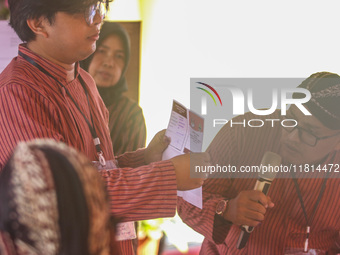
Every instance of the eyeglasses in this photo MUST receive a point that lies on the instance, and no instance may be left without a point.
(306, 137)
(91, 11)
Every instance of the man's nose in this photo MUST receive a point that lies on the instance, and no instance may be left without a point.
(97, 19)
(294, 135)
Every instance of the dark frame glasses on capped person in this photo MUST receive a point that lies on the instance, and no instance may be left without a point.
(92, 10)
(306, 137)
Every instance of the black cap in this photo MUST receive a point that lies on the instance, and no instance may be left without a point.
(325, 101)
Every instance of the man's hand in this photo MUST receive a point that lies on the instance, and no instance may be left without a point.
(248, 208)
(156, 147)
(182, 169)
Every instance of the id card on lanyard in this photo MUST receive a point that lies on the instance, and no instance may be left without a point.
(125, 230)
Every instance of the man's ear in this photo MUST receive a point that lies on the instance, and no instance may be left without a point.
(38, 26)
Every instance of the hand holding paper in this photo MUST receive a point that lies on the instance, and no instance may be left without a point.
(182, 165)
(156, 147)
(186, 132)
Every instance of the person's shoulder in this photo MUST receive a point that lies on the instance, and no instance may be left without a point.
(250, 125)
(10, 72)
(21, 80)
(249, 115)
(130, 104)
(130, 101)
(18, 69)
(18, 74)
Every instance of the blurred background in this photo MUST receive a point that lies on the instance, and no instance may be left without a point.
(173, 41)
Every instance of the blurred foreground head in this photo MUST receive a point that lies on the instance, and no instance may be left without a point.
(52, 202)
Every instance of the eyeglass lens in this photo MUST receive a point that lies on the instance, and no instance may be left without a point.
(304, 136)
(90, 13)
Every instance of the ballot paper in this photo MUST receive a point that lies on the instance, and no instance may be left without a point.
(9, 42)
(185, 130)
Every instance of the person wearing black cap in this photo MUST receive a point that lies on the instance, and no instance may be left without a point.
(108, 66)
(305, 218)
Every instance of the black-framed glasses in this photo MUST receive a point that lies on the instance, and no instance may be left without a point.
(91, 11)
(306, 137)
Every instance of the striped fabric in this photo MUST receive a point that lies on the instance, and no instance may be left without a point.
(32, 105)
(127, 125)
(284, 225)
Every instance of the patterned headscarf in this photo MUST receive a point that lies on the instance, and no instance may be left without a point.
(325, 101)
(42, 184)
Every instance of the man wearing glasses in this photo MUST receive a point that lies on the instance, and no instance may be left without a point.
(45, 94)
(301, 214)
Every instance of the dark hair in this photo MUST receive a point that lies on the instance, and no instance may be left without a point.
(22, 10)
(72, 207)
(5, 209)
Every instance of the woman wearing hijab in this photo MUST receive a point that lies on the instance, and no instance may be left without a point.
(108, 67)
(53, 202)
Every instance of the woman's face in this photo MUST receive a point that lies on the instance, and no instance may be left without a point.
(108, 62)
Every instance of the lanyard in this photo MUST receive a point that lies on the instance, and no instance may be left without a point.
(91, 126)
(309, 221)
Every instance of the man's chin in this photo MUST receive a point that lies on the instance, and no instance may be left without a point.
(88, 53)
(291, 157)
(296, 159)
